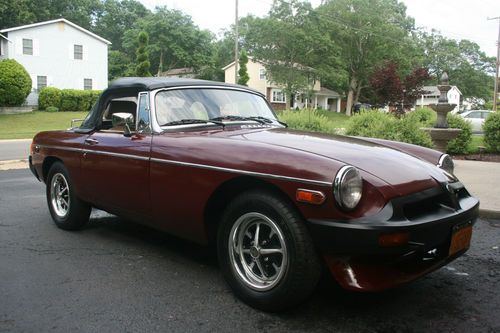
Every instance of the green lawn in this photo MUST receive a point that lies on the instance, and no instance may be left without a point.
(26, 125)
(477, 140)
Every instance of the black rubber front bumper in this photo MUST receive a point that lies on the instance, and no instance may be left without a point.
(428, 217)
(32, 168)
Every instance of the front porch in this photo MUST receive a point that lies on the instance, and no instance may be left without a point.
(324, 99)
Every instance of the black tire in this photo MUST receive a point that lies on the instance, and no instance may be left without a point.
(66, 209)
(288, 285)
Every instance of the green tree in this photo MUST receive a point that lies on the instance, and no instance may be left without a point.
(116, 17)
(15, 83)
(142, 59)
(467, 66)
(243, 71)
(287, 42)
(174, 39)
(20, 12)
(369, 32)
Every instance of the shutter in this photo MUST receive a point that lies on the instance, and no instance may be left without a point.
(84, 53)
(36, 47)
(19, 46)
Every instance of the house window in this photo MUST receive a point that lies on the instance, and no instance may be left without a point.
(87, 84)
(278, 96)
(78, 52)
(262, 73)
(28, 46)
(41, 82)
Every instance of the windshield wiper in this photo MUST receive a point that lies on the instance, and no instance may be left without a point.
(259, 119)
(193, 121)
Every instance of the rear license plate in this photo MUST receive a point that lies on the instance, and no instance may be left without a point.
(460, 238)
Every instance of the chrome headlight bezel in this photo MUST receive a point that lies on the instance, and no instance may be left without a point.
(348, 175)
(446, 163)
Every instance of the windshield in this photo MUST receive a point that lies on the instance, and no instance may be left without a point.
(176, 106)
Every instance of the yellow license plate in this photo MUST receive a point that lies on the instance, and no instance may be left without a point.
(460, 239)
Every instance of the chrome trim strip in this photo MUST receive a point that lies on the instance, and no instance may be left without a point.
(97, 152)
(244, 172)
(121, 155)
(194, 165)
(61, 148)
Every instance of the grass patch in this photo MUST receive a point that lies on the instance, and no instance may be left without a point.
(26, 125)
(338, 119)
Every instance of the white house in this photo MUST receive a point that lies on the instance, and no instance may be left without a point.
(57, 53)
(322, 97)
(432, 94)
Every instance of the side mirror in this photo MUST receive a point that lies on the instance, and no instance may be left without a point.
(126, 131)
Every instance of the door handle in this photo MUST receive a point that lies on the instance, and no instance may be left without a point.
(91, 141)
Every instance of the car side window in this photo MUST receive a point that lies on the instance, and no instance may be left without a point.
(474, 115)
(143, 120)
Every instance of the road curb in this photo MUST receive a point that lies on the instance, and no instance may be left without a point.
(13, 164)
(489, 214)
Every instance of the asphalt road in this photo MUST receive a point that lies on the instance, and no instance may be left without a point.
(115, 276)
(14, 149)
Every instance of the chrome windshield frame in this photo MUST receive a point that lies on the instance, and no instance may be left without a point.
(159, 129)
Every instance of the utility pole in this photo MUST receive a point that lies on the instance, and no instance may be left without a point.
(495, 95)
(236, 37)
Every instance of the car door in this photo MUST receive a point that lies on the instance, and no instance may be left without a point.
(116, 166)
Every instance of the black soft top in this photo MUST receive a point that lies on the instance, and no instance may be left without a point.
(131, 86)
(152, 83)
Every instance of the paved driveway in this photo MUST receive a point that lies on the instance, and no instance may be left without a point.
(115, 276)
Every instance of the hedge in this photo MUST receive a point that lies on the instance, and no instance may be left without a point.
(376, 124)
(15, 83)
(307, 120)
(491, 130)
(67, 99)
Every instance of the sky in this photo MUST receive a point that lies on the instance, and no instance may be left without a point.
(458, 19)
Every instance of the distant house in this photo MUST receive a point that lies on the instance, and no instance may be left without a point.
(432, 94)
(322, 97)
(59, 54)
(185, 72)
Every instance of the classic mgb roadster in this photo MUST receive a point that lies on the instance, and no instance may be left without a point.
(211, 163)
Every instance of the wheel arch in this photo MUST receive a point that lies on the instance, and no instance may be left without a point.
(223, 195)
(47, 164)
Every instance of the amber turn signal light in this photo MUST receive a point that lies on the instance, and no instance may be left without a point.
(310, 196)
(390, 240)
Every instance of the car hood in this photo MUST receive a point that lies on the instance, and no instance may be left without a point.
(398, 169)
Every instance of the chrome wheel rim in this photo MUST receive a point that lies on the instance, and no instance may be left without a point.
(258, 252)
(59, 195)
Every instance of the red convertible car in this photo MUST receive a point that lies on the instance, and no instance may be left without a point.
(211, 163)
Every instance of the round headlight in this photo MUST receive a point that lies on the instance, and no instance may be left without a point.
(446, 163)
(348, 187)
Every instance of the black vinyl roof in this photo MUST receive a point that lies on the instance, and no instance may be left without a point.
(152, 83)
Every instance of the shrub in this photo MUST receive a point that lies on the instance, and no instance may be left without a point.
(376, 124)
(49, 96)
(15, 83)
(307, 120)
(461, 143)
(425, 116)
(78, 100)
(51, 109)
(491, 130)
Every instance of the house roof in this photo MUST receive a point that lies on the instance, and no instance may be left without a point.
(2, 36)
(434, 91)
(327, 92)
(57, 21)
(178, 71)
